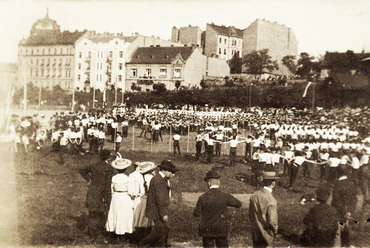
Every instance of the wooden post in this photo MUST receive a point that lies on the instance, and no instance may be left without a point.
(169, 148)
(133, 137)
(187, 149)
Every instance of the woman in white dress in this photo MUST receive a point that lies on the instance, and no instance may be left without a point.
(142, 223)
(120, 215)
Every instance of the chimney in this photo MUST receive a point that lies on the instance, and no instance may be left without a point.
(158, 45)
(153, 36)
(189, 26)
(158, 37)
(136, 34)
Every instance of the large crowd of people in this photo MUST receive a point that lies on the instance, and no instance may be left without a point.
(336, 140)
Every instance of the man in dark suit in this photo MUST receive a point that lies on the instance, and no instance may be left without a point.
(157, 206)
(99, 176)
(345, 201)
(212, 206)
(321, 222)
(263, 212)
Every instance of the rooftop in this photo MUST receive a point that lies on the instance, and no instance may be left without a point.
(159, 55)
(227, 31)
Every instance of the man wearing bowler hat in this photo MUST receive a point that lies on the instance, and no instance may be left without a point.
(157, 206)
(263, 212)
(212, 206)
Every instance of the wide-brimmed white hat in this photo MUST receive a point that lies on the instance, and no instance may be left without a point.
(145, 167)
(121, 163)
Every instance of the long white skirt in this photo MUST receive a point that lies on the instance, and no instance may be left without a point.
(120, 215)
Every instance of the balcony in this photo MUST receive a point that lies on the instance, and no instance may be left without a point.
(88, 59)
(109, 71)
(109, 59)
(88, 70)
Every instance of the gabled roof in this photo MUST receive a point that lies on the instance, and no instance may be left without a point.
(101, 38)
(159, 55)
(227, 31)
(348, 58)
(351, 82)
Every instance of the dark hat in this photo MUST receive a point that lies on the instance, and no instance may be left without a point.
(269, 175)
(211, 174)
(322, 194)
(167, 165)
(105, 154)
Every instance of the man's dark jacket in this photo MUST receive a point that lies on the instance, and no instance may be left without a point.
(344, 197)
(99, 193)
(213, 208)
(158, 198)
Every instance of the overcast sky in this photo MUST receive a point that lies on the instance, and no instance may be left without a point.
(319, 25)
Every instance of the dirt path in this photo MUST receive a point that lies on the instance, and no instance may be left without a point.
(8, 199)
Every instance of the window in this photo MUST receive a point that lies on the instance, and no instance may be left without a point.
(60, 62)
(37, 50)
(31, 51)
(133, 72)
(100, 78)
(26, 51)
(49, 51)
(110, 54)
(98, 53)
(101, 66)
(37, 62)
(61, 51)
(69, 73)
(79, 66)
(37, 73)
(220, 40)
(54, 61)
(109, 78)
(31, 61)
(31, 72)
(80, 54)
(119, 78)
(42, 73)
(42, 61)
(48, 61)
(225, 41)
(78, 77)
(162, 73)
(89, 54)
(97, 66)
(97, 77)
(225, 51)
(148, 72)
(121, 54)
(55, 51)
(219, 51)
(43, 51)
(120, 66)
(101, 54)
(177, 72)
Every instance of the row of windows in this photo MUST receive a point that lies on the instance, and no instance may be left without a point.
(99, 78)
(99, 66)
(225, 51)
(233, 42)
(46, 84)
(50, 73)
(162, 72)
(48, 62)
(47, 51)
(100, 54)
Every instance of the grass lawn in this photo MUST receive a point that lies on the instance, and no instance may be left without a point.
(51, 197)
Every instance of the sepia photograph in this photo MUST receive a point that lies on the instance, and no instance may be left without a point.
(185, 123)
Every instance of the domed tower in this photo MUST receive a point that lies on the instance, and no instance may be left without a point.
(44, 25)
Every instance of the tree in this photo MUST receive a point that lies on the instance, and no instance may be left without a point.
(258, 62)
(135, 87)
(160, 88)
(177, 84)
(235, 63)
(289, 62)
(229, 82)
(203, 84)
(304, 65)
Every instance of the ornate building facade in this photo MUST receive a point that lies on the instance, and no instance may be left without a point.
(46, 57)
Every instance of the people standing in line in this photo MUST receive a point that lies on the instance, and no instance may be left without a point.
(321, 222)
(263, 212)
(120, 215)
(219, 138)
(117, 142)
(176, 143)
(100, 140)
(344, 200)
(157, 205)
(99, 176)
(209, 148)
(212, 206)
(296, 162)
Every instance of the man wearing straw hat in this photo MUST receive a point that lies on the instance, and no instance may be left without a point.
(263, 212)
(157, 205)
(99, 176)
(212, 206)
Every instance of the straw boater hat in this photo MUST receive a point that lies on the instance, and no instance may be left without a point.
(269, 175)
(121, 163)
(145, 167)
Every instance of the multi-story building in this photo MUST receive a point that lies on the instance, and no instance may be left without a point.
(191, 35)
(223, 42)
(185, 65)
(100, 59)
(46, 57)
(279, 39)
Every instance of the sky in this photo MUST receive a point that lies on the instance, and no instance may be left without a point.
(319, 25)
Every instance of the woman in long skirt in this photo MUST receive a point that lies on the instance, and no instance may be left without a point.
(120, 215)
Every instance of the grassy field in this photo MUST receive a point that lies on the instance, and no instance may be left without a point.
(51, 197)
